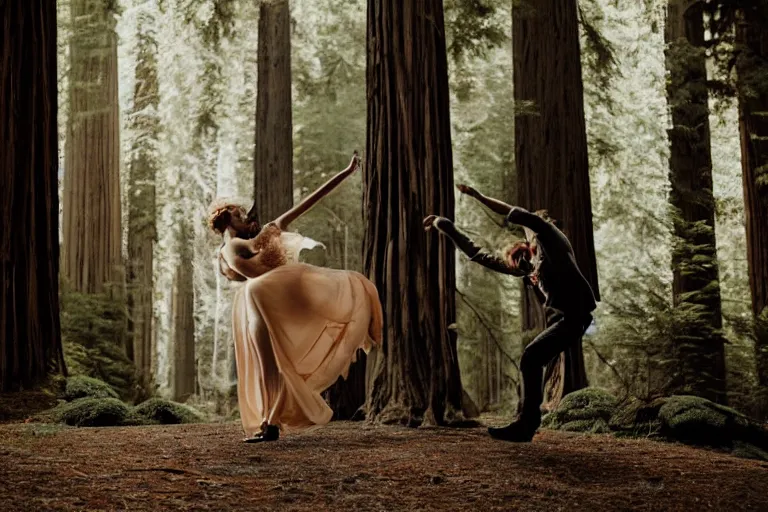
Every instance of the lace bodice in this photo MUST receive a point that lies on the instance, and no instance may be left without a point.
(272, 248)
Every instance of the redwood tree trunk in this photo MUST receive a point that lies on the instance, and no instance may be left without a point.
(698, 349)
(183, 310)
(141, 206)
(273, 158)
(414, 379)
(752, 68)
(30, 334)
(551, 151)
(92, 235)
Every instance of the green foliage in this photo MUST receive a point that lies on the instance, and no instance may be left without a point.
(166, 412)
(93, 329)
(89, 412)
(598, 53)
(588, 410)
(80, 386)
(730, 54)
(473, 28)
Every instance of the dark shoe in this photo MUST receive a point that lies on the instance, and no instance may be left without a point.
(516, 432)
(271, 433)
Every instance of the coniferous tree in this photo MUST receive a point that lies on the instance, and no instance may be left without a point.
(752, 72)
(273, 157)
(414, 378)
(30, 335)
(91, 250)
(141, 198)
(697, 352)
(182, 309)
(551, 150)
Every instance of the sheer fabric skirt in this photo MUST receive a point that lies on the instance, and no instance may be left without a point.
(297, 328)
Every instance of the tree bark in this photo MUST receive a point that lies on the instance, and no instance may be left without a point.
(183, 310)
(30, 333)
(141, 197)
(92, 233)
(273, 158)
(698, 346)
(551, 152)
(414, 378)
(752, 68)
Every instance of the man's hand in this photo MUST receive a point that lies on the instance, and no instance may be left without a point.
(429, 222)
(466, 189)
(354, 164)
(531, 280)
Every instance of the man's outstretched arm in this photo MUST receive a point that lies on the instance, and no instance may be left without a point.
(546, 231)
(467, 246)
(492, 204)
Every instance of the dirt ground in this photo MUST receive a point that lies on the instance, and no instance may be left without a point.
(354, 466)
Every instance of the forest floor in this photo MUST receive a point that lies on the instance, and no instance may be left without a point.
(355, 466)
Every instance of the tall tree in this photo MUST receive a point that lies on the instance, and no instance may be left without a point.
(551, 150)
(414, 377)
(273, 158)
(183, 311)
(92, 233)
(698, 351)
(30, 334)
(752, 71)
(141, 197)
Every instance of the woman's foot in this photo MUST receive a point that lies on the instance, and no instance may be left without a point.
(270, 433)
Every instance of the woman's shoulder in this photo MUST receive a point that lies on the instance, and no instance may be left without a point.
(267, 234)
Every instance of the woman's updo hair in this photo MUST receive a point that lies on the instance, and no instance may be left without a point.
(221, 213)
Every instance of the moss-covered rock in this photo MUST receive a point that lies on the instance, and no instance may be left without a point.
(748, 451)
(586, 410)
(166, 412)
(697, 420)
(81, 386)
(89, 412)
(692, 420)
(638, 418)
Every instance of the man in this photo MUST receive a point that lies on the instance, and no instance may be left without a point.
(546, 262)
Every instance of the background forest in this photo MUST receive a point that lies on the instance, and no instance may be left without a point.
(158, 106)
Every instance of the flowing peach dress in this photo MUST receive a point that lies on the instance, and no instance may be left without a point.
(297, 328)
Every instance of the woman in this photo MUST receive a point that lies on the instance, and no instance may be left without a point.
(297, 327)
(547, 263)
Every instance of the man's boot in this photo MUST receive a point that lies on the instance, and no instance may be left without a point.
(521, 430)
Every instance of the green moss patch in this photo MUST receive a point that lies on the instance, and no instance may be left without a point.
(81, 386)
(587, 410)
(638, 418)
(165, 412)
(89, 412)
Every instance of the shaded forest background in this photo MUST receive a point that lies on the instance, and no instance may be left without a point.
(158, 106)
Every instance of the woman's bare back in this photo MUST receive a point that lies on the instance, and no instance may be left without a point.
(252, 258)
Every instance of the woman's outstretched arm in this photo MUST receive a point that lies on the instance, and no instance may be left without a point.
(308, 202)
(467, 246)
(494, 205)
